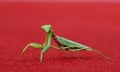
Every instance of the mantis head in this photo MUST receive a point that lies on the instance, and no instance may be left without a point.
(46, 28)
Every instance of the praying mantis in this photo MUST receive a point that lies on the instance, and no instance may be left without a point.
(63, 44)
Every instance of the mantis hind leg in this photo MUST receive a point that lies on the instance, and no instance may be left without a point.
(34, 45)
(106, 57)
(78, 56)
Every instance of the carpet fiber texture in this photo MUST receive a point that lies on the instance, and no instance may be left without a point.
(94, 24)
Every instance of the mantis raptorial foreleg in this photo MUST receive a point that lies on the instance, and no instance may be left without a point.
(44, 50)
(33, 45)
(41, 55)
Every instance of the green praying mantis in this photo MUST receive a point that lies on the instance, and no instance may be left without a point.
(63, 44)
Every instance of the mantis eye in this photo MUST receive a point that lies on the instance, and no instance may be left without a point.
(46, 28)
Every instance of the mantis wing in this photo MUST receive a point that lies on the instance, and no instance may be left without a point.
(70, 43)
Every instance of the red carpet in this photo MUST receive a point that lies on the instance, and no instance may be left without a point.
(94, 24)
